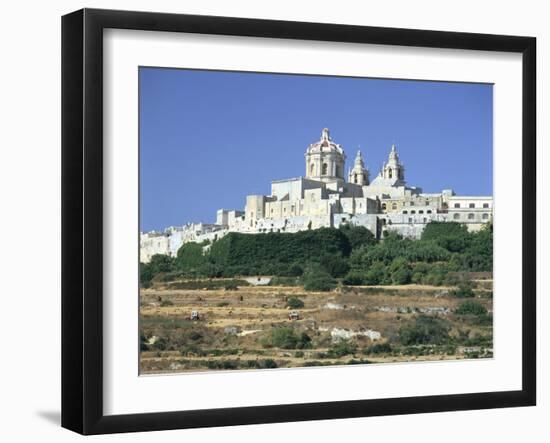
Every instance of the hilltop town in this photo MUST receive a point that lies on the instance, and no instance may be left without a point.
(324, 198)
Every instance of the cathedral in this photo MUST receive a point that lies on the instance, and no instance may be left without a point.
(324, 198)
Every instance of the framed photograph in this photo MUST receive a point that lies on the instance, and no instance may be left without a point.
(268, 221)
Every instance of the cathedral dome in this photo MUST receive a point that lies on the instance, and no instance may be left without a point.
(325, 159)
(325, 144)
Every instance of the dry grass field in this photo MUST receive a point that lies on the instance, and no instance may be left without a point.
(242, 326)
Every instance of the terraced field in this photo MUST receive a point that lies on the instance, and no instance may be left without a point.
(242, 326)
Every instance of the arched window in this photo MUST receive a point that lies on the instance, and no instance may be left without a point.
(456, 216)
(325, 169)
(404, 212)
(311, 168)
(470, 216)
(384, 206)
(485, 216)
(429, 211)
(354, 178)
(390, 173)
(421, 212)
(413, 212)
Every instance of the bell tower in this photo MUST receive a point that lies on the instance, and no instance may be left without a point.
(359, 175)
(393, 169)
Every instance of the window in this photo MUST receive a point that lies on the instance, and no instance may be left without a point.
(410, 220)
(384, 206)
(421, 212)
(390, 173)
(472, 205)
(425, 220)
(311, 168)
(411, 203)
(404, 212)
(394, 206)
(429, 211)
(427, 202)
(355, 178)
(470, 216)
(325, 169)
(485, 216)
(413, 212)
(456, 216)
(457, 205)
(485, 205)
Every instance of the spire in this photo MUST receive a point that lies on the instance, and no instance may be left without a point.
(325, 135)
(359, 159)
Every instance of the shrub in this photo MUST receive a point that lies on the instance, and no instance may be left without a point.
(286, 338)
(166, 303)
(471, 307)
(378, 348)
(143, 343)
(281, 338)
(231, 286)
(299, 354)
(317, 279)
(424, 330)
(464, 290)
(376, 275)
(269, 363)
(294, 303)
(341, 349)
(160, 344)
(354, 278)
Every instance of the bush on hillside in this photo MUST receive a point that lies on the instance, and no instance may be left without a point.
(424, 330)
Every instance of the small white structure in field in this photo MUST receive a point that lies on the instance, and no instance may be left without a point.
(339, 334)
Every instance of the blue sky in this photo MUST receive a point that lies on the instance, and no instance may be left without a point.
(209, 138)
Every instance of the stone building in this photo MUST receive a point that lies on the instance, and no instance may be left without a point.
(323, 198)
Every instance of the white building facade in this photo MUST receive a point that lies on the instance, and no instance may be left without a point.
(323, 198)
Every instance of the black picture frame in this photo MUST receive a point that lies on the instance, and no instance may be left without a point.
(82, 215)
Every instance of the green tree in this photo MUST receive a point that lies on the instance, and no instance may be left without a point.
(358, 236)
(400, 271)
(377, 275)
(190, 256)
(317, 279)
(335, 265)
